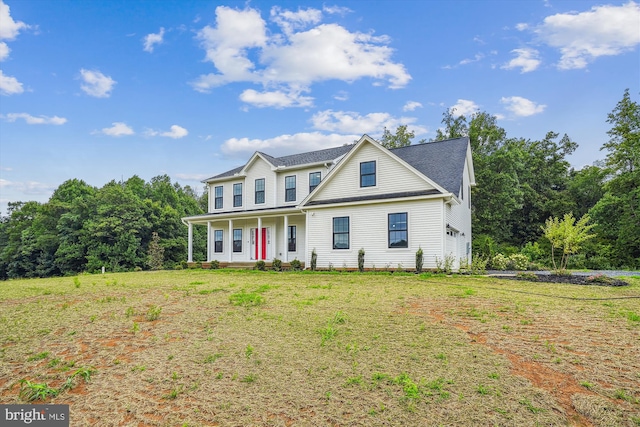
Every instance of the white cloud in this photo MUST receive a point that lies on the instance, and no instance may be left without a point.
(27, 187)
(32, 120)
(287, 144)
(118, 129)
(150, 40)
(341, 96)
(582, 37)
(476, 58)
(96, 84)
(522, 107)
(290, 21)
(175, 132)
(277, 99)
(411, 105)
(295, 58)
(9, 29)
(464, 107)
(9, 85)
(526, 59)
(4, 51)
(354, 123)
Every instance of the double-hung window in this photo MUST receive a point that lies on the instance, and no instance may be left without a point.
(341, 232)
(237, 240)
(292, 238)
(217, 239)
(237, 195)
(368, 174)
(314, 180)
(398, 230)
(290, 188)
(218, 197)
(259, 191)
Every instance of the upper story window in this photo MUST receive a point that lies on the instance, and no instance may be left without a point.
(398, 230)
(259, 191)
(237, 195)
(314, 180)
(341, 232)
(368, 174)
(290, 188)
(218, 197)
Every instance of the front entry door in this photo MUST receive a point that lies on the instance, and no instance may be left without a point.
(259, 252)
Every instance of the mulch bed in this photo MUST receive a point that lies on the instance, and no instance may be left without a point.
(569, 279)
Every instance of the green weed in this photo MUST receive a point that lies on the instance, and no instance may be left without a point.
(30, 392)
(246, 299)
(527, 403)
(38, 356)
(153, 313)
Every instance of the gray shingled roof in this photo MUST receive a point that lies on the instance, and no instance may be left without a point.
(326, 155)
(440, 161)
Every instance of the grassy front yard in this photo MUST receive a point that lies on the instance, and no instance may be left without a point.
(208, 348)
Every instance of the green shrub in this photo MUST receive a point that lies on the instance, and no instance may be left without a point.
(533, 251)
(215, 264)
(479, 265)
(419, 260)
(296, 265)
(598, 262)
(518, 261)
(499, 262)
(177, 267)
(361, 260)
(577, 262)
(260, 265)
(465, 267)
(276, 264)
(314, 259)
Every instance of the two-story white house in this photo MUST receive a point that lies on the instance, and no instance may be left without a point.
(389, 202)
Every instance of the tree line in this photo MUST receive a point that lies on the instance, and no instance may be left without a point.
(122, 226)
(521, 183)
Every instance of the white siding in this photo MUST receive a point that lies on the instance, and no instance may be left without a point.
(391, 177)
(369, 230)
(459, 218)
(302, 184)
(259, 169)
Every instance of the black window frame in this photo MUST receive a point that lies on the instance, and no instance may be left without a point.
(260, 192)
(365, 176)
(218, 197)
(319, 177)
(218, 244)
(395, 227)
(237, 198)
(289, 192)
(237, 242)
(341, 221)
(292, 238)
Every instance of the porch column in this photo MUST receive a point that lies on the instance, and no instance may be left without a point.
(208, 241)
(259, 240)
(285, 252)
(230, 246)
(190, 244)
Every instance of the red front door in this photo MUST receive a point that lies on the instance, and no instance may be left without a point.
(263, 244)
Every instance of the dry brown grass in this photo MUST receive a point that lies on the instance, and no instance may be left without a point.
(274, 349)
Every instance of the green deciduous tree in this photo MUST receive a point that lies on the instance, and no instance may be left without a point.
(568, 236)
(401, 138)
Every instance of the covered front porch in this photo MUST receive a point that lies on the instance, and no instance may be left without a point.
(244, 237)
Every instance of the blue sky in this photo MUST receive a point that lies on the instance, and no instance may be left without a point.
(103, 90)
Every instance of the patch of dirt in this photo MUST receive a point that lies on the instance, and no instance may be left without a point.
(565, 387)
